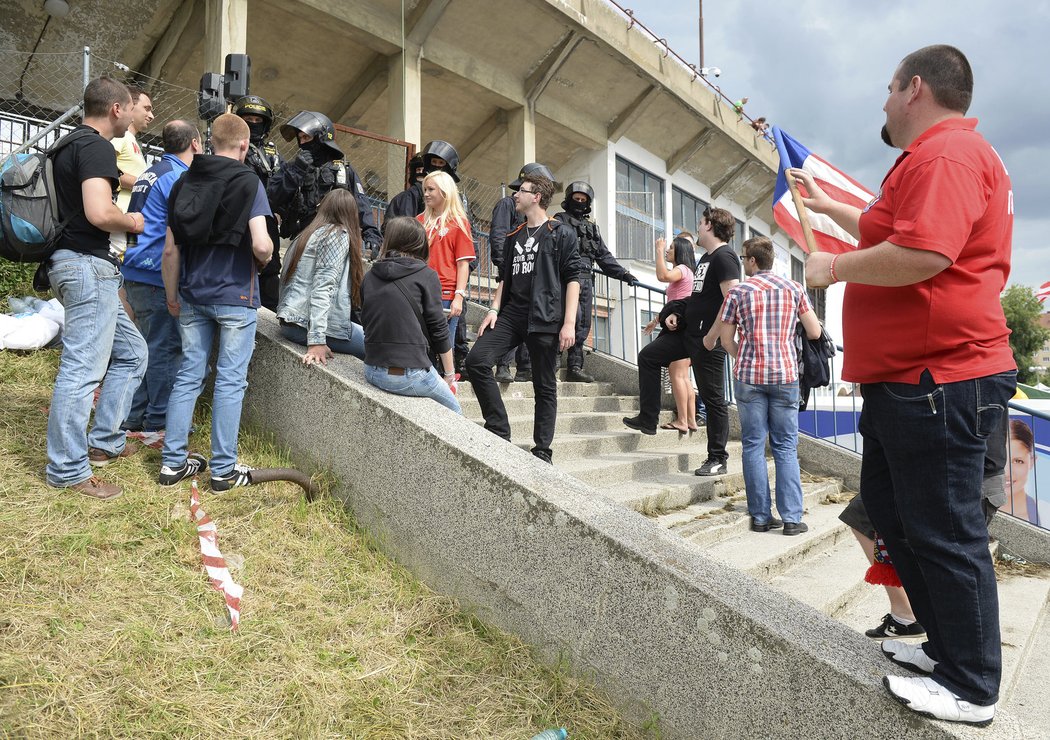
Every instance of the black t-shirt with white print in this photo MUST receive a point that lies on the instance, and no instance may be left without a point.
(522, 264)
(711, 271)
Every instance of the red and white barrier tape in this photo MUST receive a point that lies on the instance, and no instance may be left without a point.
(214, 562)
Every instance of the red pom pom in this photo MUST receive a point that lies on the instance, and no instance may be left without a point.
(882, 574)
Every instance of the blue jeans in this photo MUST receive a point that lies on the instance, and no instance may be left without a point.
(98, 335)
(770, 410)
(453, 321)
(354, 346)
(198, 325)
(415, 382)
(920, 479)
(149, 409)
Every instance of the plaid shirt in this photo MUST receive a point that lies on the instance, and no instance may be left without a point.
(765, 309)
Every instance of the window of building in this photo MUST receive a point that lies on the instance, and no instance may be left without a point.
(798, 270)
(600, 334)
(639, 211)
(687, 212)
(648, 316)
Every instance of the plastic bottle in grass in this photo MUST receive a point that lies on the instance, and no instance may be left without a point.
(558, 734)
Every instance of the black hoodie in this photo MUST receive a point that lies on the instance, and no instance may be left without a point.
(210, 207)
(394, 336)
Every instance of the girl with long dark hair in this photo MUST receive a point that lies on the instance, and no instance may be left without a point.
(403, 319)
(679, 279)
(322, 281)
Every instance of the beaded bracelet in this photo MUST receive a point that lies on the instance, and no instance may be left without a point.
(831, 269)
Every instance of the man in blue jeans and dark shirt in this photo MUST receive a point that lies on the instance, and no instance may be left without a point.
(99, 341)
(145, 287)
(216, 243)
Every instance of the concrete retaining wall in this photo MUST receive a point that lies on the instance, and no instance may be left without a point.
(664, 630)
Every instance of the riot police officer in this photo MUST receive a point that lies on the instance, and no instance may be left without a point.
(265, 160)
(579, 196)
(505, 218)
(436, 155)
(298, 187)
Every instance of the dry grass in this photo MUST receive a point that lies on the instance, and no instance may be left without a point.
(108, 626)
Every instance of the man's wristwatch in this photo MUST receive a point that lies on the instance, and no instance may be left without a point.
(462, 293)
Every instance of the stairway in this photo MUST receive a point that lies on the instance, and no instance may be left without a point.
(823, 568)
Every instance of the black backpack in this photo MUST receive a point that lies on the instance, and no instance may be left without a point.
(29, 218)
(814, 362)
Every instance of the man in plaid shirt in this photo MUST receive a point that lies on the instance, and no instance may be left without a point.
(764, 310)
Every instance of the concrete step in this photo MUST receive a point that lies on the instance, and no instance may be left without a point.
(520, 405)
(678, 491)
(1025, 692)
(707, 523)
(569, 423)
(574, 446)
(766, 555)
(608, 470)
(830, 581)
(565, 389)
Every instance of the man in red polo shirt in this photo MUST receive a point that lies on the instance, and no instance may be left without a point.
(926, 337)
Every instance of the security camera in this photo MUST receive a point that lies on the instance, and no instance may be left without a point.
(710, 71)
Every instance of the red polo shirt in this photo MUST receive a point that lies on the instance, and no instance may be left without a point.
(949, 193)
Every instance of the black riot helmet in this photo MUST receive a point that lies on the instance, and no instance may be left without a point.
(253, 105)
(532, 168)
(316, 125)
(442, 150)
(574, 207)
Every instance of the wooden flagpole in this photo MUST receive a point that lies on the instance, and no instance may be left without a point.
(803, 215)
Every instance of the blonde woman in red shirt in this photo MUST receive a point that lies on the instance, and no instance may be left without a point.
(451, 243)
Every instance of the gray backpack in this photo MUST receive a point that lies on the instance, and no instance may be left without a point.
(29, 218)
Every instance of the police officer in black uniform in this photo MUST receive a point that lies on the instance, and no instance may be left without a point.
(577, 204)
(265, 160)
(436, 155)
(506, 219)
(298, 187)
(408, 200)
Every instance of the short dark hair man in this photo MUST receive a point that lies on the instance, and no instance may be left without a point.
(764, 310)
(100, 344)
(690, 330)
(535, 302)
(934, 246)
(144, 285)
(216, 243)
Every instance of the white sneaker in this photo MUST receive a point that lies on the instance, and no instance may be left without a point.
(909, 655)
(926, 696)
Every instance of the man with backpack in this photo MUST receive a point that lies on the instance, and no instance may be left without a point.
(100, 344)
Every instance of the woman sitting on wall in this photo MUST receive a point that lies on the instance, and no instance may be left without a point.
(403, 319)
(322, 280)
(451, 244)
(679, 281)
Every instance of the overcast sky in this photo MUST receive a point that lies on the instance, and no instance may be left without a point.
(819, 70)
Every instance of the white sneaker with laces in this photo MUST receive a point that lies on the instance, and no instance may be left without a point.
(909, 655)
(925, 696)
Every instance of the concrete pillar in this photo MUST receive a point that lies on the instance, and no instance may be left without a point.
(225, 32)
(405, 105)
(521, 140)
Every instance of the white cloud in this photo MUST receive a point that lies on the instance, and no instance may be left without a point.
(819, 69)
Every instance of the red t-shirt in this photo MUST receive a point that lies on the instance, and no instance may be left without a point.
(447, 248)
(949, 193)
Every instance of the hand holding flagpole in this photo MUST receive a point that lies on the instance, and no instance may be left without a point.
(803, 216)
